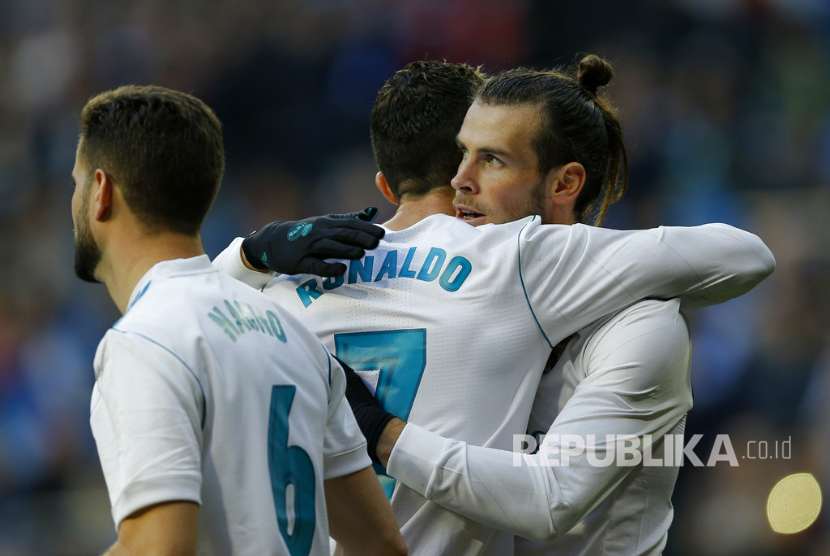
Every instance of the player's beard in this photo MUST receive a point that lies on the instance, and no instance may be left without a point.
(534, 203)
(87, 253)
(538, 198)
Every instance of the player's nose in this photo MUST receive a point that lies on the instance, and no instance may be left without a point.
(464, 179)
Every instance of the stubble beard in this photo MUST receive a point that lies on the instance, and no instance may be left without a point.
(534, 203)
(87, 253)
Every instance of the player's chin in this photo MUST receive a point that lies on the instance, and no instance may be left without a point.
(474, 219)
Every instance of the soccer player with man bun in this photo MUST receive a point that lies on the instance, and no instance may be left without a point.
(626, 375)
(451, 325)
(220, 421)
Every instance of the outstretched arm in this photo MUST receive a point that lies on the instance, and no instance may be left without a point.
(573, 275)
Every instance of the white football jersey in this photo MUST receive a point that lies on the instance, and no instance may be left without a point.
(624, 377)
(453, 324)
(207, 391)
(628, 375)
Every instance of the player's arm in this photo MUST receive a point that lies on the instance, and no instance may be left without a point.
(146, 419)
(574, 275)
(232, 262)
(300, 247)
(360, 517)
(636, 385)
(167, 529)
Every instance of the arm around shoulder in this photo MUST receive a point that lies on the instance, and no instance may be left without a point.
(232, 262)
(573, 275)
(740, 260)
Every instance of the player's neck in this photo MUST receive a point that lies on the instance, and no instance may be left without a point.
(560, 215)
(412, 210)
(121, 268)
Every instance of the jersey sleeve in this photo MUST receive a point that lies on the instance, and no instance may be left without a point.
(230, 262)
(344, 446)
(146, 415)
(637, 385)
(572, 275)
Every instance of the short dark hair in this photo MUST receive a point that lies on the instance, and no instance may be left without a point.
(415, 121)
(579, 125)
(162, 148)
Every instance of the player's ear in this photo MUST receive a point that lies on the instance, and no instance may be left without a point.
(385, 189)
(562, 188)
(567, 183)
(569, 180)
(102, 195)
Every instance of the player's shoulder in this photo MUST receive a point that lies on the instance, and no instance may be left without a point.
(166, 303)
(649, 314)
(448, 229)
(183, 313)
(646, 318)
(184, 303)
(174, 302)
(650, 330)
(156, 322)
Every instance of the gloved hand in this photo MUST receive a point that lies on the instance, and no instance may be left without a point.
(370, 416)
(299, 246)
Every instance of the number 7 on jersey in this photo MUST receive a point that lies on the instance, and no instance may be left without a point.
(400, 356)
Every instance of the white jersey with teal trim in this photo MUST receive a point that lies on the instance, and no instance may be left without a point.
(207, 391)
(453, 324)
(582, 494)
(627, 376)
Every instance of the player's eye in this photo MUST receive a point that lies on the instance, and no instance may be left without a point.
(491, 160)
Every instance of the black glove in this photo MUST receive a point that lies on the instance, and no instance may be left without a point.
(299, 246)
(370, 416)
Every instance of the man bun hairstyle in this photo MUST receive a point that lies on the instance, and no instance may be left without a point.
(579, 125)
(415, 120)
(593, 72)
(162, 148)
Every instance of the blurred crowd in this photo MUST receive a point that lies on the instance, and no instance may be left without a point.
(726, 110)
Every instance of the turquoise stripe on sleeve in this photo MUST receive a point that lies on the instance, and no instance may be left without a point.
(522, 281)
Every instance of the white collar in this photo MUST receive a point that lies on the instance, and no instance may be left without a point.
(168, 269)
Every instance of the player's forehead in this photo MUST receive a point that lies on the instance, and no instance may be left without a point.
(502, 126)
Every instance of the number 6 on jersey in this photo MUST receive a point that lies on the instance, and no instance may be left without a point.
(291, 467)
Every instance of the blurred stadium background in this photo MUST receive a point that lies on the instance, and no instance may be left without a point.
(726, 107)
